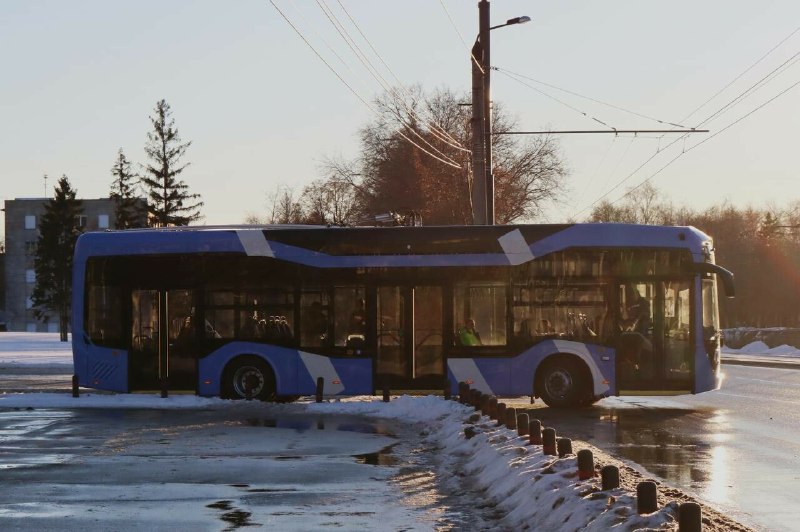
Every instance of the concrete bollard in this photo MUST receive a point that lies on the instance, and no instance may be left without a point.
(75, 388)
(522, 424)
(164, 388)
(320, 389)
(646, 497)
(511, 418)
(535, 432)
(549, 441)
(585, 464)
(564, 446)
(500, 413)
(690, 517)
(609, 476)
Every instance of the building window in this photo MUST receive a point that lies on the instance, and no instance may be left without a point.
(30, 221)
(30, 276)
(80, 221)
(102, 221)
(31, 327)
(30, 247)
(28, 303)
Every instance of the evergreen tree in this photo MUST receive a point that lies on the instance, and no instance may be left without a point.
(129, 210)
(170, 201)
(58, 233)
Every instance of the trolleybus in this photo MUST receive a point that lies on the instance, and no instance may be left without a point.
(567, 313)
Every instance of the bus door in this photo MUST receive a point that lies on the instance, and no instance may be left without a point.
(164, 339)
(654, 350)
(410, 339)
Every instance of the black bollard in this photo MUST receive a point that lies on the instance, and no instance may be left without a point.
(549, 441)
(320, 388)
(385, 392)
(492, 413)
(609, 476)
(484, 403)
(690, 517)
(585, 464)
(646, 497)
(535, 432)
(164, 388)
(564, 447)
(462, 392)
(475, 398)
(511, 418)
(522, 424)
(448, 392)
(75, 390)
(500, 413)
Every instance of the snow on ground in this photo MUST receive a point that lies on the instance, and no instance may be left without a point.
(759, 348)
(528, 488)
(43, 350)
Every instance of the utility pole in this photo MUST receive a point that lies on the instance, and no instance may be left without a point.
(479, 194)
(483, 38)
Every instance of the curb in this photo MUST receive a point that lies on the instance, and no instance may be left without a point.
(770, 363)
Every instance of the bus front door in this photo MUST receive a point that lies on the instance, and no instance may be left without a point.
(164, 339)
(409, 334)
(654, 351)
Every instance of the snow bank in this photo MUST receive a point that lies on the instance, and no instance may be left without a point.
(531, 489)
(759, 348)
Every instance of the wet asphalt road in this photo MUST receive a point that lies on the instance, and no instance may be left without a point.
(737, 448)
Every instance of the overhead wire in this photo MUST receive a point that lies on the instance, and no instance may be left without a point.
(687, 150)
(460, 36)
(725, 108)
(595, 100)
(376, 75)
(434, 126)
(351, 89)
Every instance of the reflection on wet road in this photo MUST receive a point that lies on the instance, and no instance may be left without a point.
(738, 447)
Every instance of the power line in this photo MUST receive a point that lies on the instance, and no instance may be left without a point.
(460, 36)
(355, 93)
(682, 153)
(595, 100)
(437, 131)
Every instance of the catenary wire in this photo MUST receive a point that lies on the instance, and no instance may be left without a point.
(349, 87)
(376, 75)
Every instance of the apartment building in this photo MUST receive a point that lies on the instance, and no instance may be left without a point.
(22, 219)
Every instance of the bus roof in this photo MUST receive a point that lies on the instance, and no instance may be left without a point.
(320, 246)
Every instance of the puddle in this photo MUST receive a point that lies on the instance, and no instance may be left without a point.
(306, 423)
(234, 517)
(383, 457)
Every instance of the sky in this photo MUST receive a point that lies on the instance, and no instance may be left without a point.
(79, 80)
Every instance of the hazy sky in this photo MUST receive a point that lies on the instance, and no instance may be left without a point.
(80, 78)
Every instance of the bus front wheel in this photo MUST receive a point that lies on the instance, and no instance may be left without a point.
(562, 383)
(248, 373)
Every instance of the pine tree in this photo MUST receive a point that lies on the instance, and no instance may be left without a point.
(129, 210)
(170, 201)
(58, 233)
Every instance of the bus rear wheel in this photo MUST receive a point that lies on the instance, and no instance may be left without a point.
(561, 383)
(249, 373)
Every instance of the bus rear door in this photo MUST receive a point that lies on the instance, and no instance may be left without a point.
(164, 339)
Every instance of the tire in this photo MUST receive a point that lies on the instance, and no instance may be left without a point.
(562, 383)
(241, 371)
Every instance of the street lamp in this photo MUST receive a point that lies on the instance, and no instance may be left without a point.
(483, 186)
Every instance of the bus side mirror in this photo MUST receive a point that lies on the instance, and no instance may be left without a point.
(725, 276)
